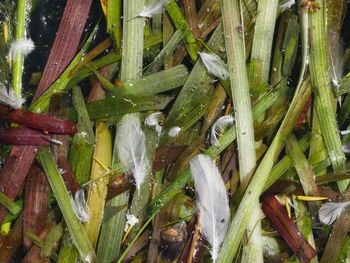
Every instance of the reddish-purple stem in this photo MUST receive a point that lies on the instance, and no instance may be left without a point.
(36, 196)
(36, 121)
(288, 229)
(66, 42)
(14, 172)
(23, 136)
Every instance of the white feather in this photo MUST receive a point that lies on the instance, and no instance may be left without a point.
(10, 98)
(345, 132)
(215, 65)
(346, 147)
(286, 4)
(131, 147)
(329, 212)
(156, 7)
(174, 131)
(218, 127)
(80, 207)
(21, 46)
(152, 120)
(212, 201)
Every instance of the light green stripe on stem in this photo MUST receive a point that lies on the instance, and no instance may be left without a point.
(234, 41)
(60, 192)
(323, 96)
(17, 71)
(263, 37)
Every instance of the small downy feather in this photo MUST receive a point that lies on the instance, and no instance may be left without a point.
(152, 120)
(174, 131)
(10, 98)
(218, 127)
(154, 8)
(80, 207)
(286, 4)
(131, 147)
(215, 65)
(23, 46)
(329, 212)
(212, 201)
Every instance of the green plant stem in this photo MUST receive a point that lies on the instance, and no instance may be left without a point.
(259, 109)
(240, 220)
(60, 192)
(323, 98)
(235, 50)
(9, 204)
(18, 60)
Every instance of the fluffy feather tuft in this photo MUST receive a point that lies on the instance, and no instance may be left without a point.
(212, 201)
(329, 212)
(215, 65)
(174, 131)
(10, 98)
(80, 207)
(21, 46)
(152, 120)
(131, 147)
(218, 127)
(286, 4)
(154, 8)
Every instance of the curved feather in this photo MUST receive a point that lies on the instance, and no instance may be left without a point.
(329, 212)
(215, 65)
(212, 201)
(131, 147)
(218, 126)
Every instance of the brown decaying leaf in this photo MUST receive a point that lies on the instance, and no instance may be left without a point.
(118, 186)
(67, 175)
(11, 242)
(14, 172)
(165, 155)
(36, 194)
(66, 42)
(288, 229)
(23, 136)
(36, 121)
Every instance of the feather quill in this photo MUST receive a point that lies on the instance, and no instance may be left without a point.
(155, 8)
(329, 212)
(215, 65)
(131, 147)
(212, 201)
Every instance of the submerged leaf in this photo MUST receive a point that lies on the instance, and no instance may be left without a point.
(329, 212)
(212, 201)
(215, 65)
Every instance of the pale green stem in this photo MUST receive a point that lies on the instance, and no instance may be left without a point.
(18, 60)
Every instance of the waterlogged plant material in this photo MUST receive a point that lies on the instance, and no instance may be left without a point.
(173, 84)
